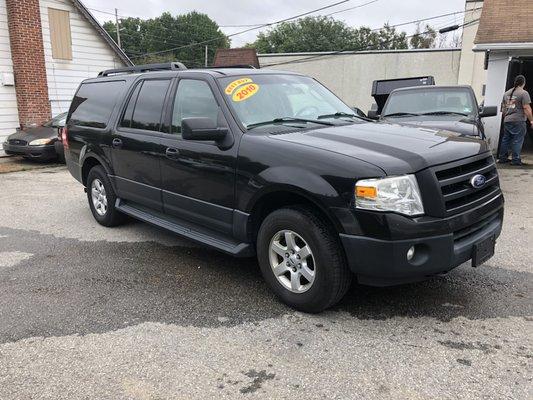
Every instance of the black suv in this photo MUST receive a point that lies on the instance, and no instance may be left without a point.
(272, 163)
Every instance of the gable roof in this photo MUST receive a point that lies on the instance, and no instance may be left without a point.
(229, 57)
(99, 28)
(504, 21)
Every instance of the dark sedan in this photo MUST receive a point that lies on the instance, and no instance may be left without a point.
(38, 143)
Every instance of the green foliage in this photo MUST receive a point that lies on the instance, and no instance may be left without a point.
(326, 34)
(425, 39)
(140, 36)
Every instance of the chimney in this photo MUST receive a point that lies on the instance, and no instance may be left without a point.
(27, 54)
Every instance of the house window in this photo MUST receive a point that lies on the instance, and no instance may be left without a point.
(60, 38)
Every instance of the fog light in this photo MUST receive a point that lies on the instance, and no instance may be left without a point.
(410, 253)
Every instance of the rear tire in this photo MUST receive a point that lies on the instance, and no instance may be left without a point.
(309, 284)
(102, 198)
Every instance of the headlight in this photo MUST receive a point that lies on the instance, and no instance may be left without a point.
(40, 142)
(399, 194)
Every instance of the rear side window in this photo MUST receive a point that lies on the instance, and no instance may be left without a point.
(149, 105)
(94, 102)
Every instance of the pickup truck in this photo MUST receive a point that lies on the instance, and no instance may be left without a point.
(272, 164)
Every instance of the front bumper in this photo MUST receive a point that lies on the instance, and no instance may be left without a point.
(41, 153)
(383, 262)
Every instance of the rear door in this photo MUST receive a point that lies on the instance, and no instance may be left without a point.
(198, 177)
(135, 144)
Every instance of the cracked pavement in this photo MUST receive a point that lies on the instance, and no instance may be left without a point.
(133, 312)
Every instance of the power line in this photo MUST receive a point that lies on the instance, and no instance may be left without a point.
(256, 25)
(273, 23)
(301, 60)
(251, 29)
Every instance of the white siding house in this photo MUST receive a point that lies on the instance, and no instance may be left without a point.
(75, 47)
(90, 55)
(9, 119)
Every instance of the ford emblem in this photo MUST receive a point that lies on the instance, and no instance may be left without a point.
(478, 181)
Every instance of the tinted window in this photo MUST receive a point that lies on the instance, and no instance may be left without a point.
(193, 99)
(149, 105)
(94, 102)
(128, 114)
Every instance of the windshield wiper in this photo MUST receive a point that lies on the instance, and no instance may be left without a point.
(400, 114)
(445, 113)
(288, 119)
(338, 114)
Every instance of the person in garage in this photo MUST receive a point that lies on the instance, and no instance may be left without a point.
(516, 108)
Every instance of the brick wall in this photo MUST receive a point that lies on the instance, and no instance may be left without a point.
(505, 21)
(27, 53)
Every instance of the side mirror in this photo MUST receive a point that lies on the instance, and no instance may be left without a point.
(202, 129)
(488, 111)
(372, 114)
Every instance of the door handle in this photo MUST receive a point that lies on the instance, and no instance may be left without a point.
(117, 143)
(171, 152)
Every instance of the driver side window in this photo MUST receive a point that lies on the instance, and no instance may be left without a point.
(194, 98)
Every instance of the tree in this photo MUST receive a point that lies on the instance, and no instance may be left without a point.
(425, 39)
(326, 34)
(180, 33)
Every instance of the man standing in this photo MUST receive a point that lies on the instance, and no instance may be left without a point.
(516, 108)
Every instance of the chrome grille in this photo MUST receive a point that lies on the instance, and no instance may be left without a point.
(454, 181)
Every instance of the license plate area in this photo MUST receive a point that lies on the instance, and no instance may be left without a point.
(483, 250)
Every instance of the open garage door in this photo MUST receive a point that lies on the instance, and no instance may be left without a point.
(520, 66)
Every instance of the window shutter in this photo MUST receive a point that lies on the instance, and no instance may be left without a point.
(60, 38)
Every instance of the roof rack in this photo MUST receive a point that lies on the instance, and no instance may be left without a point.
(229, 66)
(172, 66)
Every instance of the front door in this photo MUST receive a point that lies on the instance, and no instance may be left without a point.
(198, 177)
(135, 143)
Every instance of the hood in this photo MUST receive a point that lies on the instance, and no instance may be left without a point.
(397, 149)
(454, 123)
(39, 132)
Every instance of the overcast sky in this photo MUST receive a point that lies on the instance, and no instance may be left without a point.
(240, 12)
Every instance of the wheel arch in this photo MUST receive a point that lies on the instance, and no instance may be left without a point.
(89, 161)
(279, 196)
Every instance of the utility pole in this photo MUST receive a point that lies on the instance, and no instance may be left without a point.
(206, 55)
(118, 28)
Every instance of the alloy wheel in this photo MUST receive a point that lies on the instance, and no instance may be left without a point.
(292, 261)
(99, 197)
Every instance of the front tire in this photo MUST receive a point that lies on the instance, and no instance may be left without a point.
(102, 198)
(302, 260)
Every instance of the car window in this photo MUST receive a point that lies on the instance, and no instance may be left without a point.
(432, 100)
(264, 97)
(194, 98)
(149, 105)
(58, 121)
(128, 113)
(94, 102)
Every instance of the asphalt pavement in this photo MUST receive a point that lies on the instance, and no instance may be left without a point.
(133, 312)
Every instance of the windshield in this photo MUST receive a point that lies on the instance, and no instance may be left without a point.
(430, 101)
(257, 99)
(58, 121)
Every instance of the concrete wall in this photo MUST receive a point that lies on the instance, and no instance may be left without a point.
(471, 69)
(350, 75)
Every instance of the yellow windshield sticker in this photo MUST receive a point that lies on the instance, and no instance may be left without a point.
(245, 92)
(235, 84)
